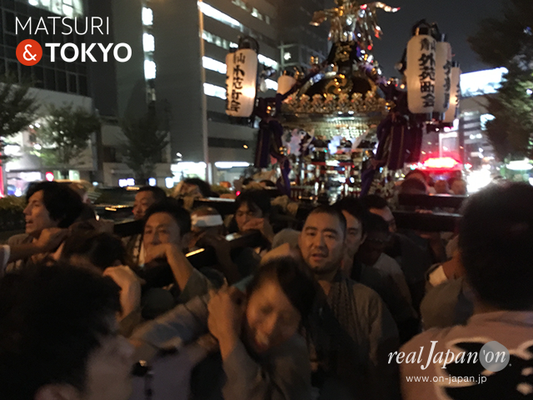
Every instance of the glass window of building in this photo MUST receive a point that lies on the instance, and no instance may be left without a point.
(214, 65)
(240, 4)
(67, 8)
(148, 42)
(257, 14)
(149, 69)
(147, 16)
(214, 91)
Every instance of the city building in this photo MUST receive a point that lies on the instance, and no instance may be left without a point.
(179, 63)
(299, 40)
(56, 83)
(475, 87)
(180, 50)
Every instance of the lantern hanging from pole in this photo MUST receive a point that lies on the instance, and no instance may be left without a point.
(420, 72)
(443, 61)
(241, 82)
(455, 94)
(285, 83)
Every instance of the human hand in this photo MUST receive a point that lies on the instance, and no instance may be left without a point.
(217, 242)
(262, 225)
(208, 342)
(50, 239)
(161, 250)
(130, 285)
(226, 311)
(285, 250)
(453, 268)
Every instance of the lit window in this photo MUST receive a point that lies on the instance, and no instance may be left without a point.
(149, 69)
(481, 82)
(218, 41)
(147, 16)
(271, 84)
(240, 4)
(68, 11)
(126, 182)
(150, 94)
(267, 61)
(67, 8)
(214, 65)
(257, 14)
(483, 119)
(231, 164)
(225, 44)
(148, 42)
(208, 37)
(169, 182)
(214, 91)
(212, 12)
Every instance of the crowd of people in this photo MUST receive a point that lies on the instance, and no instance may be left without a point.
(338, 304)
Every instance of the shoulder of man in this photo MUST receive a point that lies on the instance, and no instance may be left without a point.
(425, 338)
(362, 292)
(388, 263)
(21, 238)
(370, 305)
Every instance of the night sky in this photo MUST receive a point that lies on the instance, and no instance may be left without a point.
(457, 18)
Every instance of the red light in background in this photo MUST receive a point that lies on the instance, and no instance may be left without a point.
(49, 176)
(440, 163)
(238, 193)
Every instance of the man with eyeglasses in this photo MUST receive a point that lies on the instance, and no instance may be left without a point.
(364, 261)
(413, 259)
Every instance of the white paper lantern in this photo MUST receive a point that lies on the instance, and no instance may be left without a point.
(241, 82)
(455, 95)
(443, 61)
(285, 83)
(420, 74)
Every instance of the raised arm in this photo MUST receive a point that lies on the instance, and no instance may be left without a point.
(172, 330)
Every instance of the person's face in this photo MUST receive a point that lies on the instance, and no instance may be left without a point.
(441, 187)
(459, 188)
(354, 234)
(109, 370)
(386, 214)
(374, 246)
(143, 200)
(190, 190)
(161, 228)
(37, 216)
(271, 319)
(418, 176)
(244, 214)
(322, 243)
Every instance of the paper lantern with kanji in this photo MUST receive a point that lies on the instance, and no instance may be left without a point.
(420, 74)
(285, 83)
(241, 82)
(455, 94)
(443, 61)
